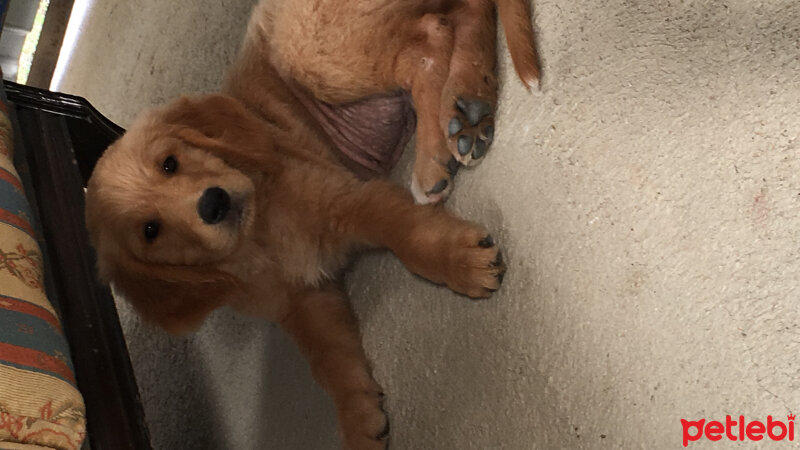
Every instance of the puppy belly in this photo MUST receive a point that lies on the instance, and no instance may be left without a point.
(370, 134)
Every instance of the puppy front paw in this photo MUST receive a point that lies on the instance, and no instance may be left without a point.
(477, 268)
(363, 423)
(454, 252)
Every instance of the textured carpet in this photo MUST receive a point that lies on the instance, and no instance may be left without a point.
(648, 200)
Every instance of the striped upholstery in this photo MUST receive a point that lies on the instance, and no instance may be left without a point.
(40, 406)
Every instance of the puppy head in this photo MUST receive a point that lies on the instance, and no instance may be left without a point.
(170, 201)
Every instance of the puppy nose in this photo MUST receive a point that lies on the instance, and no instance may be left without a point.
(213, 205)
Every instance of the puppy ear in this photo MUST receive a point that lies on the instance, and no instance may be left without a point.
(223, 126)
(177, 298)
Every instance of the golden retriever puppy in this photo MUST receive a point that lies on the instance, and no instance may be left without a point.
(256, 197)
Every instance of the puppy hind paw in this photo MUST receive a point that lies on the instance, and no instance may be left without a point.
(470, 130)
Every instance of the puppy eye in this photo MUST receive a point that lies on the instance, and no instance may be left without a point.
(170, 165)
(151, 230)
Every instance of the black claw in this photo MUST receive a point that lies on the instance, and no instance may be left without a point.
(480, 149)
(454, 126)
(486, 242)
(498, 261)
(453, 166)
(488, 132)
(385, 433)
(464, 145)
(500, 277)
(438, 187)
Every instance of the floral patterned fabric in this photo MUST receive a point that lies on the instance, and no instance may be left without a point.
(40, 406)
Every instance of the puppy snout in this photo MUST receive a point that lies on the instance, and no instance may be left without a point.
(213, 205)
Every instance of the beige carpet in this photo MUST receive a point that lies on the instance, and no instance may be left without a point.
(649, 204)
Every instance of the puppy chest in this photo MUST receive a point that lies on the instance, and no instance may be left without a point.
(309, 263)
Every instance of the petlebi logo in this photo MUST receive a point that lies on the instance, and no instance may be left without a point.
(738, 430)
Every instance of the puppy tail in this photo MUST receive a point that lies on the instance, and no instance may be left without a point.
(515, 16)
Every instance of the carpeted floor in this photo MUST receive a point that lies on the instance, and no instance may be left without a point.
(649, 203)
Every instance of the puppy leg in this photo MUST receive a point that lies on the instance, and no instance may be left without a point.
(428, 240)
(449, 67)
(322, 324)
(469, 97)
(422, 69)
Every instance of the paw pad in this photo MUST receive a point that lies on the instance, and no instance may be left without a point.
(480, 149)
(471, 129)
(486, 242)
(473, 110)
(454, 126)
(464, 145)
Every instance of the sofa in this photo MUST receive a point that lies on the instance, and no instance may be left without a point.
(66, 381)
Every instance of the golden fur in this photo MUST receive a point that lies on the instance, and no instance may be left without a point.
(295, 214)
